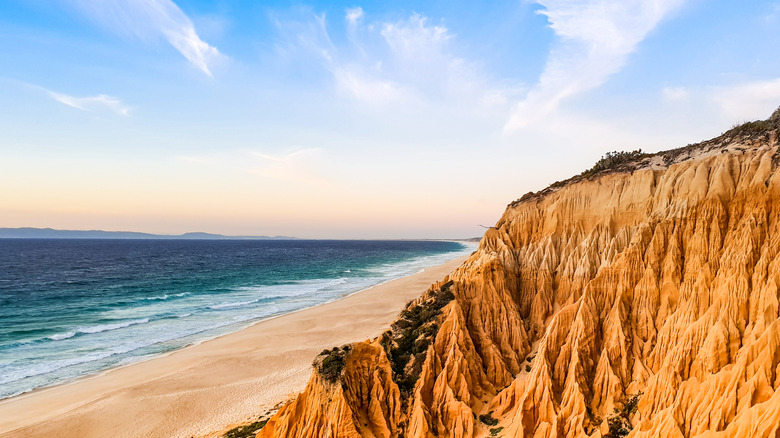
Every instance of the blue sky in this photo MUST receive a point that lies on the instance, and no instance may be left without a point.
(352, 120)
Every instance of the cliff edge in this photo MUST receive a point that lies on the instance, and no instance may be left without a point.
(638, 299)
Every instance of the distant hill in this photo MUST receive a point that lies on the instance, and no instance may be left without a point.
(49, 233)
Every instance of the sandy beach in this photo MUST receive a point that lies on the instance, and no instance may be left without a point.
(210, 386)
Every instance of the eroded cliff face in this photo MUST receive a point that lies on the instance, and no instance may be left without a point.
(640, 303)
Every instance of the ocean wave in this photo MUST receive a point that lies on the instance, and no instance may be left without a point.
(61, 336)
(16, 372)
(166, 296)
(187, 320)
(232, 305)
(109, 327)
(72, 333)
(9, 374)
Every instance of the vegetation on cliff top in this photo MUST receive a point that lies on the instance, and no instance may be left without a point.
(330, 363)
(405, 344)
(410, 336)
(630, 160)
(246, 431)
(613, 159)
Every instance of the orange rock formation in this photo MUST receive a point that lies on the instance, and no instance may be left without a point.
(640, 301)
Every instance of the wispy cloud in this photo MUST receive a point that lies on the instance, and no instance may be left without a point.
(353, 16)
(410, 61)
(675, 94)
(92, 103)
(415, 40)
(595, 38)
(297, 166)
(149, 20)
(749, 100)
(363, 87)
(301, 166)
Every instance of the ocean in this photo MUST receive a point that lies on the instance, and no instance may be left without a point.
(71, 308)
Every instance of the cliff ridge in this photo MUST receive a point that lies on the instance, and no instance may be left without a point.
(637, 300)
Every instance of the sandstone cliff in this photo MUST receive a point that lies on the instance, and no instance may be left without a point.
(639, 300)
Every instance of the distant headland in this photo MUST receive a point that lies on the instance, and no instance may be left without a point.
(50, 233)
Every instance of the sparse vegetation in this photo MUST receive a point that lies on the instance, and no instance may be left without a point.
(620, 423)
(775, 117)
(411, 335)
(488, 419)
(496, 430)
(753, 128)
(622, 161)
(330, 363)
(610, 161)
(246, 431)
(630, 407)
(613, 159)
(528, 368)
(618, 427)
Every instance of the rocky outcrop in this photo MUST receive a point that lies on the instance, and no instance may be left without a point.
(641, 301)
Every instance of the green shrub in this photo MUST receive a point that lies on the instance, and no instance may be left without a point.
(330, 363)
(631, 404)
(488, 419)
(496, 430)
(246, 431)
(412, 334)
(613, 159)
(617, 427)
(620, 423)
(753, 128)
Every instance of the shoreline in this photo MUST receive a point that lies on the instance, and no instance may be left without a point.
(212, 384)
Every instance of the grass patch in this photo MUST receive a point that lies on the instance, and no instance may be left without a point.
(246, 431)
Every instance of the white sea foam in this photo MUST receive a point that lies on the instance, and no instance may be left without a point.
(108, 327)
(166, 296)
(61, 336)
(231, 305)
(96, 329)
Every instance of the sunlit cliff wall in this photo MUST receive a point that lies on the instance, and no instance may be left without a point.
(642, 300)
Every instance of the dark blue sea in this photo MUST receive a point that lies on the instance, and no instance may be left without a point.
(71, 308)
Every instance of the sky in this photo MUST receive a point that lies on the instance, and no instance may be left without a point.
(355, 119)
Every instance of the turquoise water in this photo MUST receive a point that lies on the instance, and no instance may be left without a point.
(71, 308)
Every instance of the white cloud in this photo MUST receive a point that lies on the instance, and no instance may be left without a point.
(92, 103)
(676, 94)
(595, 38)
(748, 101)
(410, 61)
(414, 40)
(366, 88)
(152, 19)
(353, 16)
